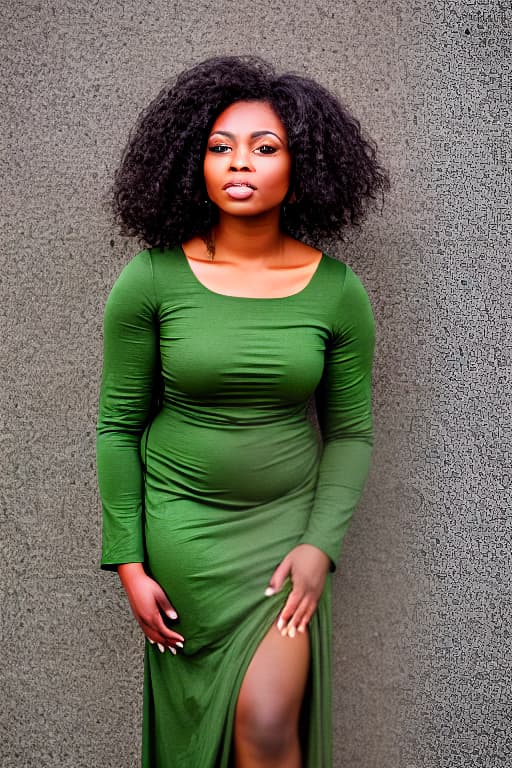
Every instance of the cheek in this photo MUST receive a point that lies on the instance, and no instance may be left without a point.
(281, 176)
(210, 176)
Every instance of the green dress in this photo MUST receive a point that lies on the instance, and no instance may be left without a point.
(229, 475)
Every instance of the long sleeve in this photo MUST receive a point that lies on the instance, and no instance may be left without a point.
(343, 401)
(129, 368)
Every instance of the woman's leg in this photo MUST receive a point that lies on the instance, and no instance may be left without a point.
(266, 732)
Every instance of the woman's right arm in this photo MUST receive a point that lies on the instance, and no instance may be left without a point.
(148, 601)
(130, 366)
(130, 361)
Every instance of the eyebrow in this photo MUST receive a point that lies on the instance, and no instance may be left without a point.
(254, 135)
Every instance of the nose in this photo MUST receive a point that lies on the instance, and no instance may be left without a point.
(240, 159)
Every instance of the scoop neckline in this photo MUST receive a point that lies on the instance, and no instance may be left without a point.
(252, 298)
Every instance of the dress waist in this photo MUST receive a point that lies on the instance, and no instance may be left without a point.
(231, 463)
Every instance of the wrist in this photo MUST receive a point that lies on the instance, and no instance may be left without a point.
(129, 571)
(319, 553)
(331, 565)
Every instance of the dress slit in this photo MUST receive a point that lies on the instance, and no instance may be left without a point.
(316, 710)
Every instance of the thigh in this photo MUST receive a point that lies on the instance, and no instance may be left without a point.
(273, 687)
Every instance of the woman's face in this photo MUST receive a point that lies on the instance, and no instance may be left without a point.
(247, 164)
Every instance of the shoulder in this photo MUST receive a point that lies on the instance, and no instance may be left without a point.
(136, 270)
(133, 289)
(345, 281)
(350, 301)
(145, 270)
(335, 270)
(166, 265)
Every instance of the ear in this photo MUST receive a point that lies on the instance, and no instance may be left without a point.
(292, 198)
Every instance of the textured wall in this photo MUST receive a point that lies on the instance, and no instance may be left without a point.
(422, 601)
(459, 465)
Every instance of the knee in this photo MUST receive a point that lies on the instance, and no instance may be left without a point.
(269, 732)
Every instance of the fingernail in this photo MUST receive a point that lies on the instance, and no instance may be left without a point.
(280, 624)
(269, 592)
(302, 628)
(171, 614)
(179, 645)
(291, 632)
(284, 632)
(172, 650)
(151, 641)
(161, 648)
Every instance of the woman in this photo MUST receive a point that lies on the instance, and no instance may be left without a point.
(223, 514)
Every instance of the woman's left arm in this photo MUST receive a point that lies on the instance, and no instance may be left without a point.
(344, 409)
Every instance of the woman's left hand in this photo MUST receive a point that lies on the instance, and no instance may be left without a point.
(307, 567)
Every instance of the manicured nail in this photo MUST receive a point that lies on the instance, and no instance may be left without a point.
(172, 650)
(151, 641)
(179, 645)
(302, 628)
(269, 592)
(280, 624)
(291, 632)
(161, 648)
(171, 614)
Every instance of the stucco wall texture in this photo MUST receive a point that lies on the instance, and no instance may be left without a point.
(423, 594)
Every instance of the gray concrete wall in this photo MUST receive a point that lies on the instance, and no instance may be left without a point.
(422, 597)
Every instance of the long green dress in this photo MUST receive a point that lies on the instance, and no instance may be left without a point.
(232, 474)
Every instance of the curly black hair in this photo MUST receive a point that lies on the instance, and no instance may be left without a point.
(159, 193)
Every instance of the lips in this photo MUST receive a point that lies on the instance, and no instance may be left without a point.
(239, 190)
(238, 184)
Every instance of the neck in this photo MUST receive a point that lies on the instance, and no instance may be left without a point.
(239, 239)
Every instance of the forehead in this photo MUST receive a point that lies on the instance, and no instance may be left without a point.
(248, 116)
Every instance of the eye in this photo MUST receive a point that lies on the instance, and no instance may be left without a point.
(219, 148)
(266, 149)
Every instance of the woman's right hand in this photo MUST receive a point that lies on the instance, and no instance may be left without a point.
(148, 601)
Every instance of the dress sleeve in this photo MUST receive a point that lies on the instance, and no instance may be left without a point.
(130, 363)
(343, 401)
